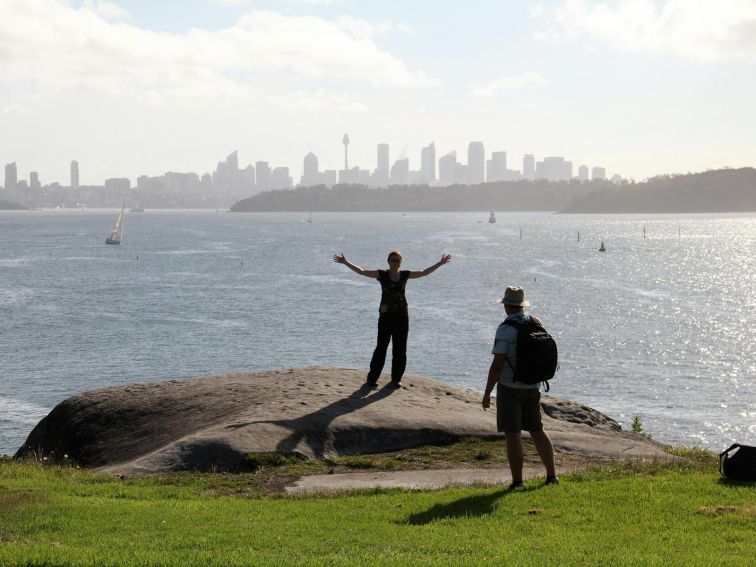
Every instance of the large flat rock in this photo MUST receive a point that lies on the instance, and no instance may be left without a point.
(210, 423)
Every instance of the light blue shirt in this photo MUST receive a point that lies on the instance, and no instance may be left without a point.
(506, 343)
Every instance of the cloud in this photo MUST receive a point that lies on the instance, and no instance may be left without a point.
(691, 29)
(14, 109)
(529, 79)
(48, 45)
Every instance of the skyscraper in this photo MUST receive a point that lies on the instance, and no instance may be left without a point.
(528, 166)
(428, 163)
(497, 167)
(34, 180)
(583, 173)
(310, 166)
(11, 176)
(447, 169)
(400, 172)
(75, 174)
(382, 167)
(262, 169)
(476, 163)
(598, 173)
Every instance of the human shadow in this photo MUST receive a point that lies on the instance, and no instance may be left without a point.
(313, 427)
(470, 506)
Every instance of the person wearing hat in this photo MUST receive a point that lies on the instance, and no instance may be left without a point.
(518, 405)
(393, 321)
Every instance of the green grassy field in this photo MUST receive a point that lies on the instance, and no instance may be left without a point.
(619, 514)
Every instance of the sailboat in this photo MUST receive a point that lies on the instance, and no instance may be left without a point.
(309, 219)
(602, 248)
(117, 232)
(492, 217)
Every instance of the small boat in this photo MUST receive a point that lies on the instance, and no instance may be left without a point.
(117, 232)
(492, 217)
(309, 219)
(602, 248)
(136, 210)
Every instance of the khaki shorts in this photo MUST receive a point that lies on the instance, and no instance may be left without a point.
(518, 409)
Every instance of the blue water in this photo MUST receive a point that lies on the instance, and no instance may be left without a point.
(659, 327)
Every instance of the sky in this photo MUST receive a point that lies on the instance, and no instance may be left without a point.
(127, 88)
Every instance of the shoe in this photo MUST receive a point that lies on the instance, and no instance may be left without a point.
(396, 385)
(551, 480)
(371, 383)
(515, 484)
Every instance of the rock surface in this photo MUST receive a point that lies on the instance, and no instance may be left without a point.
(210, 423)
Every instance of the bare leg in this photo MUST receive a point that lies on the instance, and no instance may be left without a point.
(545, 450)
(515, 455)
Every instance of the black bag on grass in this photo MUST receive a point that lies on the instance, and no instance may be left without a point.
(738, 462)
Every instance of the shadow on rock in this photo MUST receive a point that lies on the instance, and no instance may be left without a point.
(313, 427)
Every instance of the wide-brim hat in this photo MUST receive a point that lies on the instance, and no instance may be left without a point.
(514, 296)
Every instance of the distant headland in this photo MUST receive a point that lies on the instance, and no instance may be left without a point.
(11, 206)
(723, 190)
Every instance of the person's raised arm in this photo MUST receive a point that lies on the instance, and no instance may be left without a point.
(445, 259)
(341, 259)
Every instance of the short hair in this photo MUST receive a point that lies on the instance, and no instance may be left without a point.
(394, 253)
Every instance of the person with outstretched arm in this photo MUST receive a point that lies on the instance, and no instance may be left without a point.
(393, 320)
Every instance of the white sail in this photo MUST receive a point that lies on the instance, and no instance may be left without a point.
(117, 232)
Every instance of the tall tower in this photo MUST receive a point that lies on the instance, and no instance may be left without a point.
(11, 176)
(476, 163)
(428, 163)
(345, 141)
(74, 174)
(528, 166)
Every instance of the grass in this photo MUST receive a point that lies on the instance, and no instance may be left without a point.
(623, 513)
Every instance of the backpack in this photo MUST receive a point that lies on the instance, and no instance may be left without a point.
(537, 359)
(738, 462)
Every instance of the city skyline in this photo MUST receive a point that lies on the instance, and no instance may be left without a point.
(259, 176)
(135, 87)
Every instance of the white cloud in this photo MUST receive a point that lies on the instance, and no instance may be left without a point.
(46, 45)
(693, 29)
(14, 109)
(529, 79)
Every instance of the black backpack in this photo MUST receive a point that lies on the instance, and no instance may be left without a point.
(738, 462)
(537, 359)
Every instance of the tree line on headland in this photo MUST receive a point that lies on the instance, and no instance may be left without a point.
(724, 190)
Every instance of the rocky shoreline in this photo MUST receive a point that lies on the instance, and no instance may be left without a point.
(211, 423)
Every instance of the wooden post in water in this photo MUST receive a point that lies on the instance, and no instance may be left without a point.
(644, 232)
(578, 236)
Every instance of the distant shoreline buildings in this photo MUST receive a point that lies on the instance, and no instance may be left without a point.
(230, 183)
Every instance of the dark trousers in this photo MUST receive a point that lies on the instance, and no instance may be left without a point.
(392, 327)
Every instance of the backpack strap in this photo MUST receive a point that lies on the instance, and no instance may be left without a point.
(724, 454)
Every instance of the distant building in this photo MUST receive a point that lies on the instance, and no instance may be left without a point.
(496, 167)
(598, 173)
(247, 176)
(554, 168)
(400, 172)
(528, 166)
(311, 173)
(428, 164)
(34, 180)
(117, 184)
(232, 161)
(75, 174)
(280, 178)
(447, 169)
(462, 174)
(330, 177)
(476, 163)
(583, 173)
(11, 176)
(263, 175)
(616, 179)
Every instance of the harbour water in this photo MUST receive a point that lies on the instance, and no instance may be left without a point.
(659, 327)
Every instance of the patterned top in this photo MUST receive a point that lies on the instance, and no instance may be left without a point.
(392, 293)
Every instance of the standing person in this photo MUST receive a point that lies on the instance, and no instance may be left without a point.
(518, 405)
(393, 321)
